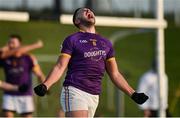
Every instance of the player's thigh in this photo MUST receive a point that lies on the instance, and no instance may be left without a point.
(8, 103)
(93, 104)
(73, 100)
(80, 113)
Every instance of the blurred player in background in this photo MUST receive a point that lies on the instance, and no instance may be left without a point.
(87, 56)
(18, 67)
(148, 83)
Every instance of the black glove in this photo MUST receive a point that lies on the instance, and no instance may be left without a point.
(23, 88)
(139, 98)
(40, 90)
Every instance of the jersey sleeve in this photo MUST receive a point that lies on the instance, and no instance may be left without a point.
(34, 63)
(67, 47)
(111, 52)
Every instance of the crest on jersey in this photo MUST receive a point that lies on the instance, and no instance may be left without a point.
(103, 44)
(94, 42)
(14, 63)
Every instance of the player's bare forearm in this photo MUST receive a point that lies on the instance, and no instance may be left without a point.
(27, 48)
(54, 75)
(122, 84)
(5, 53)
(4, 48)
(57, 71)
(41, 76)
(21, 50)
(8, 87)
(38, 72)
(117, 78)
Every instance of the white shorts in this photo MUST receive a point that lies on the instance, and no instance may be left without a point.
(73, 99)
(19, 104)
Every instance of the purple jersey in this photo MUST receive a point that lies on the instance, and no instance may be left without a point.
(88, 53)
(18, 71)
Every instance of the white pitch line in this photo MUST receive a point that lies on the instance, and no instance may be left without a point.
(119, 35)
(47, 57)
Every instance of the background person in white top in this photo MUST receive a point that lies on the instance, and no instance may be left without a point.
(149, 85)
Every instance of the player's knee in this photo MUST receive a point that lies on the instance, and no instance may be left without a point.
(26, 115)
(8, 114)
(80, 113)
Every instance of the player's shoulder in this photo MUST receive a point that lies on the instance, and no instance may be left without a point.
(104, 39)
(72, 36)
(30, 56)
(32, 59)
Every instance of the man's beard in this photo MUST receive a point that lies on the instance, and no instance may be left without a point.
(87, 23)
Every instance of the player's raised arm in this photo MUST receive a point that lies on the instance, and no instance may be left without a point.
(4, 48)
(54, 75)
(20, 50)
(117, 78)
(121, 83)
(27, 48)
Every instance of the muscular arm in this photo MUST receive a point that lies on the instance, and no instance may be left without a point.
(57, 71)
(5, 52)
(117, 78)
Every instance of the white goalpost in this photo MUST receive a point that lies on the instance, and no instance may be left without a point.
(160, 57)
(120, 22)
(159, 24)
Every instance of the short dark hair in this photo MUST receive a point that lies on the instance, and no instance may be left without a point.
(74, 16)
(16, 36)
